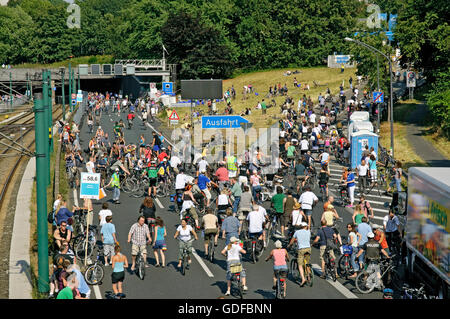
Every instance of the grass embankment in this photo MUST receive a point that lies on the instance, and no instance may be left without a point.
(262, 80)
(93, 59)
(403, 149)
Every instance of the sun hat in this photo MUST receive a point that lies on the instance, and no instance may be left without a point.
(278, 244)
(234, 239)
(370, 235)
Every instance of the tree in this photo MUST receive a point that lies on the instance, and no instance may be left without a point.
(200, 50)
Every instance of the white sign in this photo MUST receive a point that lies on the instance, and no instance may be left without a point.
(410, 79)
(90, 185)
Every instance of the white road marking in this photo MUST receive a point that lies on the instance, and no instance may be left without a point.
(159, 203)
(148, 124)
(336, 284)
(201, 262)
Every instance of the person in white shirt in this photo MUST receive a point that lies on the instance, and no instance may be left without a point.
(297, 215)
(103, 213)
(174, 162)
(233, 252)
(304, 145)
(256, 220)
(202, 165)
(180, 182)
(361, 172)
(90, 166)
(312, 118)
(308, 199)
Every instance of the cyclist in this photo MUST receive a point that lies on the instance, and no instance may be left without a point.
(204, 183)
(277, 203)
(183, 233)
(300, 172)
(280, 256)
(222, 176)
(223, 201)
(255, 182)
(257, 219)
(324, 175)
(163, 171)
(324, 234)
(372, 250)
(188, 204)
(130, 118)
(303, 238)
(210, 225)
(152, 173)
(148, 210)
(230, 226)
(308, 199)
(137, 235)
(233, 253)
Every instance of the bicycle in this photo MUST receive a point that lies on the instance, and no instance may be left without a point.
(307, 268)
(257, 248)
(163, 189)
(235, 270)
(274, 227)
(330, 266)
(379, 183)
(344, 263)
(280, 283)
(323, 192)
(414, 293)
(367, 280)
(184, 259)
(140, 262)
(79, 243)
(94, 273)
(211, 248)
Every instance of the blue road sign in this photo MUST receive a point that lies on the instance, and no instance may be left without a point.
(167, 87)
(378, 97)
(219, 121)
(90, 185)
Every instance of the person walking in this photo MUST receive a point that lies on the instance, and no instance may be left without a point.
(115, 183)
(138, 234)
(119, 263)
(390, 224)
(160, 243)
(350, 182)
(109, 238)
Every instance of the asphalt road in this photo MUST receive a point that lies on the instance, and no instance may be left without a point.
(205, 280)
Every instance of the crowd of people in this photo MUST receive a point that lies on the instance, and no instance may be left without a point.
(223, 199)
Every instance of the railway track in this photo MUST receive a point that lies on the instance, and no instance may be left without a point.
(11, 156)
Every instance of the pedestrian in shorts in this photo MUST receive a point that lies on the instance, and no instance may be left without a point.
(109, 239)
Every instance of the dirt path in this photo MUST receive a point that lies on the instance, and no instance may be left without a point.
(422, 147)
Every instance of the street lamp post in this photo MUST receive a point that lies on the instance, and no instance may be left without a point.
(371, 48)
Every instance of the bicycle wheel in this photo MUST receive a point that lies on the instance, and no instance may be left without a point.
(278, 289)
(309, 274)
(361, 283)
(160, 191)
(211, 251)
(344, 266)
(80, 250)
(294, 269)
(141, 268)
(140, 191)
(240, 289)
(254, 258)
(94, 274)
(183, 266)
(332, 272)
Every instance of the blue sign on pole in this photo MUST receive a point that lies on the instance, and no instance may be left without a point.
(167, 87)
(226, 121)
(378, 97)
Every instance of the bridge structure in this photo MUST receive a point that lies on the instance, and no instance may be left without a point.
(129, 76)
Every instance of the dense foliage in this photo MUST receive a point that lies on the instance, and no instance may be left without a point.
(207, 38)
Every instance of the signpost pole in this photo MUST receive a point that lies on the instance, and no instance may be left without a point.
(63, 95)
(378, 89)
(70, 89)
(41, 192)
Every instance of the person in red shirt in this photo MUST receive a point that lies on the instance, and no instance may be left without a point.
(381, 238)
(222, 175)
(162, 155)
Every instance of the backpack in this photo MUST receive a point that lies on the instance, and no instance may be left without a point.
(330, 243)
(51, 217)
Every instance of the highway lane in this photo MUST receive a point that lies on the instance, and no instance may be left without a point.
(198, 283)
